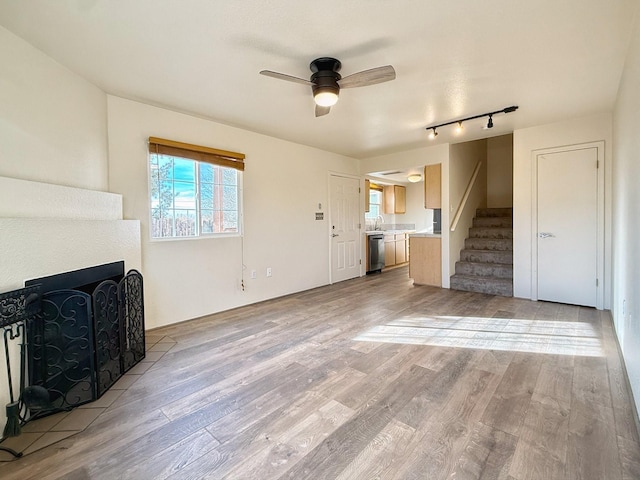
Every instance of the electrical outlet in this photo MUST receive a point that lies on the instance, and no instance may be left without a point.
(268, 271)
(254, 274)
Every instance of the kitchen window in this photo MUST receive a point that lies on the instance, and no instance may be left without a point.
(375, 202)
(194, 191)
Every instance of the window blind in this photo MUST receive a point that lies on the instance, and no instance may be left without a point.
(214, 156)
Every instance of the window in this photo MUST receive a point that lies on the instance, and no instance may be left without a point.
(195, 191)
(375, 202)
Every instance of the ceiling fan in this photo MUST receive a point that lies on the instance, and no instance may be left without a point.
(326, 82)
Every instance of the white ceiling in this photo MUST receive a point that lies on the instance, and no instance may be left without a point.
(555, 59)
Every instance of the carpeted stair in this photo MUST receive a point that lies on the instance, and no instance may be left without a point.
(486, 262)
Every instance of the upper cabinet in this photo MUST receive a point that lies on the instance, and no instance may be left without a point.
(367, 189)
(395, 199)
(432, 190)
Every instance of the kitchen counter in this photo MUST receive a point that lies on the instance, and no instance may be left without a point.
(388, 232)
(425, 235)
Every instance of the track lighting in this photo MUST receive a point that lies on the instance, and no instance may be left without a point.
(459, 128)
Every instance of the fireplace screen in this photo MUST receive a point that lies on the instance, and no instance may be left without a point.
(82, 343)
(61, 352)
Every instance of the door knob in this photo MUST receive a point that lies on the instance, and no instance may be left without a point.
(335, 235)
(545, 235)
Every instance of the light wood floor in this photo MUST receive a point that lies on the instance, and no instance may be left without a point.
(372, 378)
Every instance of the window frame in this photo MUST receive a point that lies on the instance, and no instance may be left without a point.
(376, 188)
(225, 162)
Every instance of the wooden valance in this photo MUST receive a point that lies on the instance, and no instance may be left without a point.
(214, 156)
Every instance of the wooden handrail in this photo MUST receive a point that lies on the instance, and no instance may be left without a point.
(465, 197)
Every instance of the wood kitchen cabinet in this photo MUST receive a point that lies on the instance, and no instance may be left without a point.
(396, 248)
(366, 253)
(425, 264)
(395, 199)
(432, 186)
(401, 248)
(389, 250)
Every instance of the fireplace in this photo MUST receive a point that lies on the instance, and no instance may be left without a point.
(88, 333)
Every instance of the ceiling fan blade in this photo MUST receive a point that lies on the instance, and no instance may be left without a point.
(288, 78)
(320, 111)
(368, 77)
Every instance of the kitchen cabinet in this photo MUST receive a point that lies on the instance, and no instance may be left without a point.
(401, 248)
(366, 252)
(425, 263)
(432, 186)
(396, 249)
(367, 189)
(395, 199)
(389, 250)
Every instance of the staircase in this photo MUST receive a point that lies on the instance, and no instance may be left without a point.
(486, 262)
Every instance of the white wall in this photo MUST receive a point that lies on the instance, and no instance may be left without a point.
(525, 141)
(37, 247)
(23, 198)
(463, 159)
(625, 303)
(403, 160)
(283, 184)
(500, 171)
(48, 229)
(53, 123)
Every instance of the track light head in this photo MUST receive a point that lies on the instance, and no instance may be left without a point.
(459, 128)
(490, 122)
(433, 134)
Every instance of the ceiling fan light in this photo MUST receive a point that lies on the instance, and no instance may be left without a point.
(325, 98)
(414, 177)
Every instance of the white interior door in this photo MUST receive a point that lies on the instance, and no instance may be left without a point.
(345, 228)
(567, 226)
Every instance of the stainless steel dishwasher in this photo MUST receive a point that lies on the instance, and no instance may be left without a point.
(375, 259)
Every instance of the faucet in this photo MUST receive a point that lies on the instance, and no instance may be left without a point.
(375, 224)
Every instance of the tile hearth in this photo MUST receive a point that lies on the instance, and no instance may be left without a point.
(49, 430)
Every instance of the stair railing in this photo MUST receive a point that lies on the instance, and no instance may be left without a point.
(465, 197)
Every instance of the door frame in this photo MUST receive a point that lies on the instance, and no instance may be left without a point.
(600, 235)
(330, 222)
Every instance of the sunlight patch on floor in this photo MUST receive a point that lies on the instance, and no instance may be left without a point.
(532, 336)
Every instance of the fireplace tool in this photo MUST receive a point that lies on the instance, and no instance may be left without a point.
(12, 427)
(16, 308)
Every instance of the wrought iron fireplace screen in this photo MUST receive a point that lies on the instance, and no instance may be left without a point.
(82, 343)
